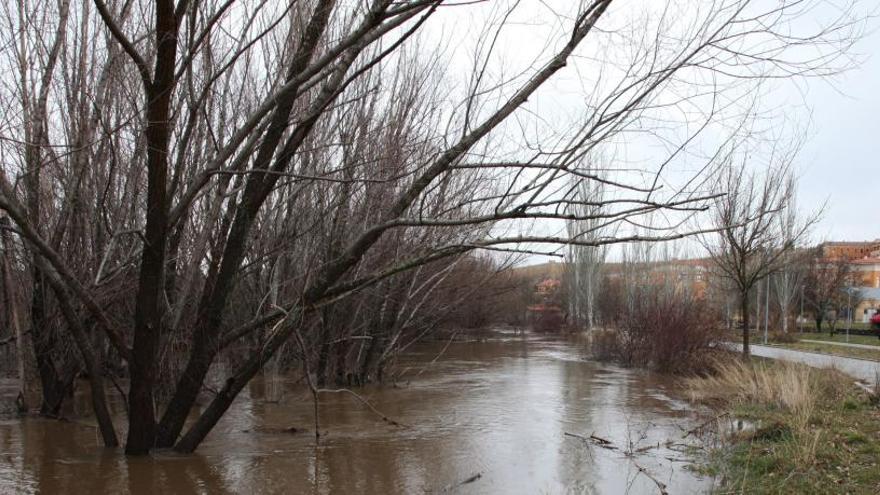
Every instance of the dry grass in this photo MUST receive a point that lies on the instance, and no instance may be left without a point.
(790, 387)
(783, 338)
(814, 432)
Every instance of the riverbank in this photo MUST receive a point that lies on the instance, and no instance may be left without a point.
(807, 430)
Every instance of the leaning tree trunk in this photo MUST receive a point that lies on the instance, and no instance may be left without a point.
(257, 188)
(93, 366)
(235, 383)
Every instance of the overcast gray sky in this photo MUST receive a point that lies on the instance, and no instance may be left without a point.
(840, 162)
(834, 164)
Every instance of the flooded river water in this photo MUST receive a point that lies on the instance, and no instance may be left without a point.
(493, 412)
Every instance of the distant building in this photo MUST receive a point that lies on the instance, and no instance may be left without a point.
(691, 275)
(695, 277)
(548, 288)
(864, 273)
(547, 314)
(863, 257)
(869, 304)
(837, 250)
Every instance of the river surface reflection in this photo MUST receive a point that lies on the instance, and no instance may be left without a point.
(494, 411)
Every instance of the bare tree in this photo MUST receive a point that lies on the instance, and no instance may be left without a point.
(788, 279)
(585, 262)
(752, 243)
(824, 288)
(10, 301)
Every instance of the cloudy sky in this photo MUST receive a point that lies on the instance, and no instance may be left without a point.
(840, 161)
(839, 114)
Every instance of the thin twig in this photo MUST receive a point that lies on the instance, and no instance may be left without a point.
(593, 440)
(660, 485)
(365, 402)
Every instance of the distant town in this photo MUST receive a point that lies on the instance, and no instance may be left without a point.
(858, 296)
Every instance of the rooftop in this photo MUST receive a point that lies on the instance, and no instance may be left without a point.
(850, 243)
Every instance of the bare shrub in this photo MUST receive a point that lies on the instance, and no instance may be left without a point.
(549, 320)
(610, 302)
(664, 329)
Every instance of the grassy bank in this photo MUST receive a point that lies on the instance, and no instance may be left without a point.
(825, 344)
(840, 337)
(836, 350)
(812, 430)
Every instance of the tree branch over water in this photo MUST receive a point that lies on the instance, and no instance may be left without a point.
(329, 171)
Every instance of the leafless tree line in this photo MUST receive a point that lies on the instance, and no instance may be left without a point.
(189, 179)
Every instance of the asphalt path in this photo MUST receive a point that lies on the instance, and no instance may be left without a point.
(863, 369)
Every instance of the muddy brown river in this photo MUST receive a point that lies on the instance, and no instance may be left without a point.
(487, 416)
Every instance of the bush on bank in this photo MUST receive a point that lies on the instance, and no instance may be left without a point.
(664, 330)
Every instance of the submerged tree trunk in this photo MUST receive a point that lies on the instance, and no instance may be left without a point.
(149, 308)
(234, 384)
(93, 367)
(11, 303)
(43, 342)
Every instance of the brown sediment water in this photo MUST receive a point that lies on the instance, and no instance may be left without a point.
(487, 416)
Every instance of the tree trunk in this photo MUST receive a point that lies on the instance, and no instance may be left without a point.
(93, 366)
(257, 188)
(221, 402)
(149, 308)
(43, 340)
(744, 307)
(12, 304)
(784, 311)
(77, 330)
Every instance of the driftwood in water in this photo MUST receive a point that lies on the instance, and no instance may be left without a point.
(593, 439)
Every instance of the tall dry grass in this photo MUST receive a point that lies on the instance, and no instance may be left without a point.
(787, 386)
(793, 393)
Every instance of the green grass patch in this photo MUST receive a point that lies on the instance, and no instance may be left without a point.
(835, 350)
(840, 336)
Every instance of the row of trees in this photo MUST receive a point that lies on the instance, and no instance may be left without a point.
(758, 252)
(194, 185)
(758, 247)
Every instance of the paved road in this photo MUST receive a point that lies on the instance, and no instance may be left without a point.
(869, 371)
(844, 344)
